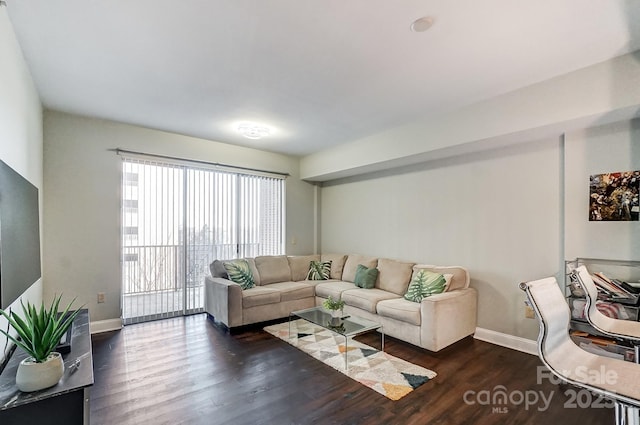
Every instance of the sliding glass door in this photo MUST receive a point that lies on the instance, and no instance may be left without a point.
(176, 219)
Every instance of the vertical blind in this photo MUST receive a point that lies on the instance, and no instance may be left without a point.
(177, 219)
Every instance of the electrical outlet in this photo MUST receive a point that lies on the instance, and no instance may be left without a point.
(101, 297)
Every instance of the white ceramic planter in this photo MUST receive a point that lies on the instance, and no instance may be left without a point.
(336, 318)
(32, 376)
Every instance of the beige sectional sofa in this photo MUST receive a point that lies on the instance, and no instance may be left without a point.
(281, 287)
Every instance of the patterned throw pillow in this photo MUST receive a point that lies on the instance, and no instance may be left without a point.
(365, 277)
(319, 270)
(240, 273)
(425, 284)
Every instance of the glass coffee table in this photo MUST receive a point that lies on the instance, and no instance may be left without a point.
(349, 326)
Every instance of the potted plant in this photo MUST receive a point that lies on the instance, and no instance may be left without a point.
(335, 308)
(38, 334)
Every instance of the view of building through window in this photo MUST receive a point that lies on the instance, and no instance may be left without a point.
(177, 219)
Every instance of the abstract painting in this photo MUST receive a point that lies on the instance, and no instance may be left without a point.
(614, 196)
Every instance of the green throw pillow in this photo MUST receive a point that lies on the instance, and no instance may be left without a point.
(319, 270)
(425, 284)
(365, 278)
(240, 273)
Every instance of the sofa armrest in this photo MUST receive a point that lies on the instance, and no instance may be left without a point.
(223, 300)
(448, 317)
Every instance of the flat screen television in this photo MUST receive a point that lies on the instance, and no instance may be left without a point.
(19, 235)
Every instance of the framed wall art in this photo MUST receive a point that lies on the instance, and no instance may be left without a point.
(614, 196)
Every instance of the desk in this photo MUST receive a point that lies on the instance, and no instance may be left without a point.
(66, 402)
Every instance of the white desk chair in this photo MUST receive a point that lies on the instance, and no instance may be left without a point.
(574, 365)
(625, 329)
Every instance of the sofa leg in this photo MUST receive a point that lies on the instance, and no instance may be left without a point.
(218, 323)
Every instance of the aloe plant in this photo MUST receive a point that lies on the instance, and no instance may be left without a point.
(39, 331)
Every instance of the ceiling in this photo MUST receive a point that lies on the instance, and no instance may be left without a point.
(320, 73)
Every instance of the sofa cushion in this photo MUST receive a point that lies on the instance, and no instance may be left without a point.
(299, 266)
(448, 277)
(394, 276)
(365, 278)
(259, 295)
(337, 264)
(424, 284)
(273, 268)
(319, 270)
(351, 266)
(366, 299)
(254, 270)
(400, 309)
(240, 273)
(292, 290)
(414, 292)
(333, 289)
(217, 269)
(317, 282)
(459, 279)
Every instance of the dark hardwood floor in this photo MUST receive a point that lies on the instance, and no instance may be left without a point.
(192, 371)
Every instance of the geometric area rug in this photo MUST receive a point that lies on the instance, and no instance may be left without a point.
(388, 375)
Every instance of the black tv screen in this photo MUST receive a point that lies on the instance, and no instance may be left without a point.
(19, 235)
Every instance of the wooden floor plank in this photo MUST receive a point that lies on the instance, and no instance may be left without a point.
(191, 371)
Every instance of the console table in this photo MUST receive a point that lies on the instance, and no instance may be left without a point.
(65, 403)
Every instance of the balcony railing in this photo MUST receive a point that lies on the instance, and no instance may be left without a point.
(157, 268)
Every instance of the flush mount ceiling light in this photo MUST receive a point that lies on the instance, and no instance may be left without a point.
(253, 131)
(422, 24)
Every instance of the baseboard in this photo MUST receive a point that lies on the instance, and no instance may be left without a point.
(106, 325)
(509, 341)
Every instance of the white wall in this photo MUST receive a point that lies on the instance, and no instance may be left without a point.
(598, 94)
(603, 149)
(82, 205)
(20, 128)
(510, 214)
(500, 204)
(497, 213)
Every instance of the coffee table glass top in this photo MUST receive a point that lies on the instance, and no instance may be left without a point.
(350, 326)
